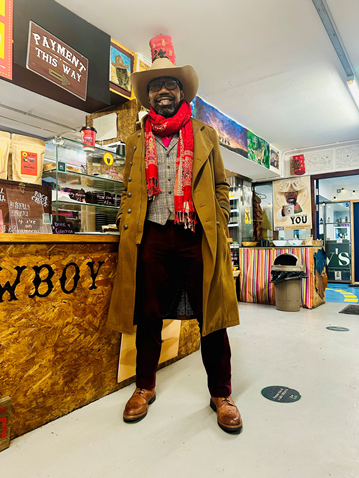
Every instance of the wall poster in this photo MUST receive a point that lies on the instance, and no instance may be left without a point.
(231, 134)
(274, 158)
(6, 33)
(292, 208)
(258, 150)
(121, 67)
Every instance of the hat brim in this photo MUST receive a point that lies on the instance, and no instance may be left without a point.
(187, 75)
(124, 67)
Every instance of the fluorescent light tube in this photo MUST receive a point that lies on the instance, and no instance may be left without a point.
(354, 90)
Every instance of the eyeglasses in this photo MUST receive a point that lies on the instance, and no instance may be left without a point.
(157, 85)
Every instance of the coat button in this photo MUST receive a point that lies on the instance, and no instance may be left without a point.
(125, 226)
(129, 195)
(129, 179)
(129, 211)
(139, 134)
(134, 149)
(218, 223)
(131, 163)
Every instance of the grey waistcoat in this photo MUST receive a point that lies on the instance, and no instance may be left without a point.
(162, 208)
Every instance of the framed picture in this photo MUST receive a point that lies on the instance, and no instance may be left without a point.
(121, 67)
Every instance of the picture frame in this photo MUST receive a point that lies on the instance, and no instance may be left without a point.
(121, 67)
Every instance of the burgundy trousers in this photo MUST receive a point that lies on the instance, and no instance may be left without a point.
(171, 255)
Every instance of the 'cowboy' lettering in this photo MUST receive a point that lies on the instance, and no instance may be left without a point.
(37, 281)
(11, 288)
(63, 278)
(93, 273)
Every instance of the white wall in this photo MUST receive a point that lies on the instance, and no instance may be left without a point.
(326, 159)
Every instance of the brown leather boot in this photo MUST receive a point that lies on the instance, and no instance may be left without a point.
(136, 407)
(228, 416)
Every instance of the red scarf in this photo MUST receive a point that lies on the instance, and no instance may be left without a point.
(185, 212)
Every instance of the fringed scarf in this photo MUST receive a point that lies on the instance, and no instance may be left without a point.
(185, 212)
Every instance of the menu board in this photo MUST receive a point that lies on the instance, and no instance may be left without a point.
(25, 208)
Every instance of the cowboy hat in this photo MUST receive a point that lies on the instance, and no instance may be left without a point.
(164, 64)
(119, 63)
(291, 185)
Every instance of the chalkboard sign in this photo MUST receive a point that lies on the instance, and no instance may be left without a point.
(62, 228)
(24, 208)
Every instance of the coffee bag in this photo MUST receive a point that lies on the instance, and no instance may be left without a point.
(4, 153)
(27, 158)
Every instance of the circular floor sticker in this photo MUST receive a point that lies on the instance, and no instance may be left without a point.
(338, 329)
(281, 394)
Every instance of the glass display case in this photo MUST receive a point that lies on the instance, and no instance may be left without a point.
(335, 230)
(86, 186)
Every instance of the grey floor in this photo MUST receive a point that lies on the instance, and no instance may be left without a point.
(316, 437)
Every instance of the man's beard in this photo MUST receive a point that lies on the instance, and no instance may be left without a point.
(167, 111)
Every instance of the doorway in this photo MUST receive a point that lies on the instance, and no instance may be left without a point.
(337, 224)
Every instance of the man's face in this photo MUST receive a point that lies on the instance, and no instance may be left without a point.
(291, 197)
(165, 101)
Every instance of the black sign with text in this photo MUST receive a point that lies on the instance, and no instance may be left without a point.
(281, 394)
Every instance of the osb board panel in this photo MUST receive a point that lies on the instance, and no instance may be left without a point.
(55, 354)
(127, 116)
(170, 342)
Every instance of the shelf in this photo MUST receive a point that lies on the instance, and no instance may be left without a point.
(233, 225)
(234, 210)
(74, 147)
(339, 224)
(235, 246)
(78, 205)
(85, 181)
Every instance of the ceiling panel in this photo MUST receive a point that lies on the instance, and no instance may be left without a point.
(268, 65)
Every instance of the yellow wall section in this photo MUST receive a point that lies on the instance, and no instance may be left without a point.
(2, 7)
(2, 39)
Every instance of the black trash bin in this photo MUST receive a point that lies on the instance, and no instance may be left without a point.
(287, 274)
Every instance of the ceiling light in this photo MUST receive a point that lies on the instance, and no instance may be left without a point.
(354, 90)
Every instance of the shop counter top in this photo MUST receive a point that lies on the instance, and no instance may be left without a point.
(56, 354)
(59, 238)
(256, 263)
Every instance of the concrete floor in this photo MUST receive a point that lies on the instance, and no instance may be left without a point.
(316, 437)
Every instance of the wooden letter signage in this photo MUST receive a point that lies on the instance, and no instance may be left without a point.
(52, 59)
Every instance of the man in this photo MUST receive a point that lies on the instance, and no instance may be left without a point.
(290, 190)
(174, 260)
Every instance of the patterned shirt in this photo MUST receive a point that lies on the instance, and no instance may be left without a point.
(162, 208)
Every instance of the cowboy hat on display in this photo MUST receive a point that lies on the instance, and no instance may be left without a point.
(291, 185)
(119, 63)
(164, 64)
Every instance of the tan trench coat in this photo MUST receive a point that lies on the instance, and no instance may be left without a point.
(211, 200)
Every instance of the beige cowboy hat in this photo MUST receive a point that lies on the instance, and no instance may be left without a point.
(119, 63)
(291, 185)
(164, 64)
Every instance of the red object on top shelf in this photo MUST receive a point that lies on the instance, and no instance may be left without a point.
(299, 164)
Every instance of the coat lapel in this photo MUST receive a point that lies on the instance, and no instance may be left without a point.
(202, 148)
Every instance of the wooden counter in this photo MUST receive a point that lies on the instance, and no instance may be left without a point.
(55, 353)
(256, 263)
